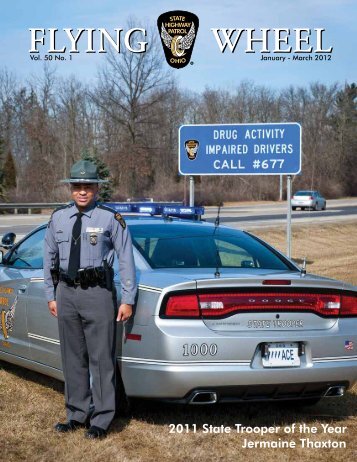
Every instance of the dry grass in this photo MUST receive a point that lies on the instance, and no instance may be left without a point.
(331, 250)
(31, 403)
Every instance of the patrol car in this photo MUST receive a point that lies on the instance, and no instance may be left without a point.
(220, 316)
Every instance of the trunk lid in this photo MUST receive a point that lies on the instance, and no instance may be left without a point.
(278, 301)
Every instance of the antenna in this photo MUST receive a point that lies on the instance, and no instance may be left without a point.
(303, 268)
(218, 219)
(217, 274)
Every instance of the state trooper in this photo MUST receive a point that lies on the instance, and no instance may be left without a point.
(80, 243)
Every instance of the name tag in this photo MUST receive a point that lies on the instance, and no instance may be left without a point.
(94, 230)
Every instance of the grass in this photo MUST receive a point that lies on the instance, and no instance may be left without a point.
(330, 250)
(31, 403)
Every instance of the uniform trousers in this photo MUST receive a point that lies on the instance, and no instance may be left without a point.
(87, 330)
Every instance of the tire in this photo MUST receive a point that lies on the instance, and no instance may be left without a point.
(294, 208)
(324, 207)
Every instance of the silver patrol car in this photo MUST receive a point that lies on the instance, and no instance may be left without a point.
(219, 316)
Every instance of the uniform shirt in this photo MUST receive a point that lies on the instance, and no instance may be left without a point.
(102, 235)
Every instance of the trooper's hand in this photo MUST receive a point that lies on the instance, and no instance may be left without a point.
(52, 306)
(125, 311)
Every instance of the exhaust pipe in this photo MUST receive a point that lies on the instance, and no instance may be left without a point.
(203, 397)
(335, 391)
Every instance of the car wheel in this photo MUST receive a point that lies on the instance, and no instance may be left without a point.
(294, 208)
(324, 206)
(122, 402)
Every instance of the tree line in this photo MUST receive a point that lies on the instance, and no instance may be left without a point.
(128, 121)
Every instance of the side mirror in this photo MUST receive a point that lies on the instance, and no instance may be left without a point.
(8, 240)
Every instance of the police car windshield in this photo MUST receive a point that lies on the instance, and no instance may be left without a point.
(170, 245)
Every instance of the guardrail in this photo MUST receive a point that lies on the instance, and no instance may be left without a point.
(30, 206)
(16, 206)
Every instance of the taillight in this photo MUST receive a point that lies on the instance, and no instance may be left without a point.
(311, 198)
(230, 303)
(182, 306)
(349, 305)
(226, 304)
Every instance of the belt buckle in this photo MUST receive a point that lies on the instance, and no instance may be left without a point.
(81, 278)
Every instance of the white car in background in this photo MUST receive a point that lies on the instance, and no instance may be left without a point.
(308, 200)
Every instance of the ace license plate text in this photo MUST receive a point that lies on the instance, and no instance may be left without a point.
(282, 355)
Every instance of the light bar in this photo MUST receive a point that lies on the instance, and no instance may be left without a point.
(155, 208)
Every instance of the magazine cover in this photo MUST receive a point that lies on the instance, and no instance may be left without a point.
(178, 273)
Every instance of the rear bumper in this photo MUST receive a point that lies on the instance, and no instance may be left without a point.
(176, 381)
(295, 203)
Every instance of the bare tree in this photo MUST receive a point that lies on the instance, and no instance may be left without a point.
(130, 86)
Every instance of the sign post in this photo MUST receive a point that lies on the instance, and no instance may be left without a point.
(192, 191)
(288, 226)
(241, 149)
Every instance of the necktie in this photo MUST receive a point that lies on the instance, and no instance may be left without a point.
(75, 255)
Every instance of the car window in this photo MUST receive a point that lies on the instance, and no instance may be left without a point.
(29, 254)
(169, 245)
(304, 193)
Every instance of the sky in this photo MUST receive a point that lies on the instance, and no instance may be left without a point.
(209, 68)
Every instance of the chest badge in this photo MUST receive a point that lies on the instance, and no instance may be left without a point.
(93, 239)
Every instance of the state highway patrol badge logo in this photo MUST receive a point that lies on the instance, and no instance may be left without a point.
(178, 30)
(7, 319)
(93, 239)
(191, 147)
(121, 220)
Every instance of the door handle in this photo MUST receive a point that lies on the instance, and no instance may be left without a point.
(22, 289)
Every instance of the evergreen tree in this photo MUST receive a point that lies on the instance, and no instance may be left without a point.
(106, 189)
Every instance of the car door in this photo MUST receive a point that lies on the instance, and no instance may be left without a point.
(34, 334)
(42, 327)
(16, 272)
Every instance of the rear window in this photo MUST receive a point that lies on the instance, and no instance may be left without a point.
(170, 245)
(304, 193)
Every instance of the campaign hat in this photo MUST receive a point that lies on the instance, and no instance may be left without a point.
(84, 171)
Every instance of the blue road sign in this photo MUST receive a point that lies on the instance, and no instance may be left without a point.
(240, 149)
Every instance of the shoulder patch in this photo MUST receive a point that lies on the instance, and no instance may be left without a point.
(121, 220)
(117, 215)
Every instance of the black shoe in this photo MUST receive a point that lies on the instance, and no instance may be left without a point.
(95, 432)
(69, 426)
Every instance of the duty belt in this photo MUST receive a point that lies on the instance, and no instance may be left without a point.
(85, 277)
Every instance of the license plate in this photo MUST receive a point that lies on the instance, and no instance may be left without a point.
(282, 355)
